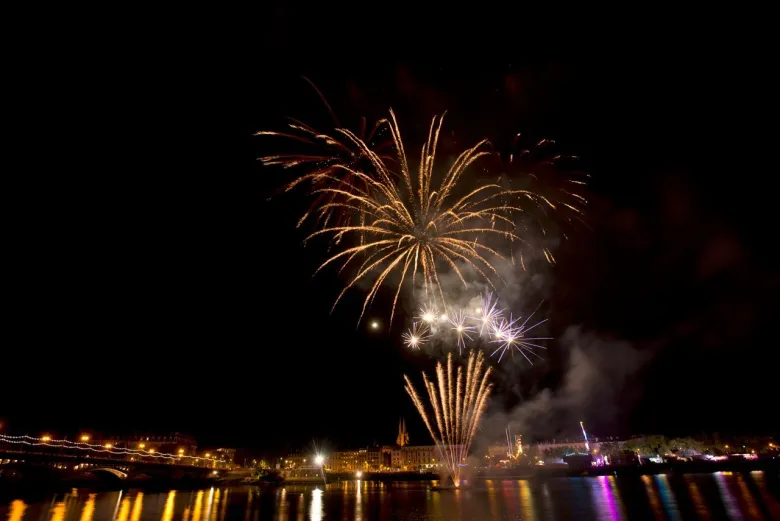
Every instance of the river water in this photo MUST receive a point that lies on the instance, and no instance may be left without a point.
(662, 497)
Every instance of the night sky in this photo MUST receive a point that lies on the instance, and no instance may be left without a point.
(154, 286)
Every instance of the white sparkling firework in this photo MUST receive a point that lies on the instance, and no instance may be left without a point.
(511, 338)
(417, 336)
(484, 323)
(428, 314)
(488, 314)
(460, 327)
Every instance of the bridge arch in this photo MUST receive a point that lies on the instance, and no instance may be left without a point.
(118, 473)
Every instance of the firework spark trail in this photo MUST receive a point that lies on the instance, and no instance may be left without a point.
(555, 178)
(456, 409)
(327, 160)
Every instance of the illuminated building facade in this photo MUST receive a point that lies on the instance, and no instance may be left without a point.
(220, 454)
(171, 443)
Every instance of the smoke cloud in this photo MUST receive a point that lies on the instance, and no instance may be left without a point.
(597, 384)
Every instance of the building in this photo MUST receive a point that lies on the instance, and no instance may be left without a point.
(292, 461)
(419, 457)
(342, 461)
(409, 458)
(370, 459)
(170, 443)
(222, 455)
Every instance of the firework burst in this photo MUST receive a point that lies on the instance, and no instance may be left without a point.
(461, 328)
(488, 313)
(489, 326)
(513, 338)
(411, 225)
(457, 403)
(429, 314)
(417, 336)
(408, 225)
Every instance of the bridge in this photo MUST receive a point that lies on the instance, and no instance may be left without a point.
(26, 455)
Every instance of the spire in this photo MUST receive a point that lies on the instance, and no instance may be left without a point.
(403, 436)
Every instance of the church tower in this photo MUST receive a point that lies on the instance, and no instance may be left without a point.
(403, 436)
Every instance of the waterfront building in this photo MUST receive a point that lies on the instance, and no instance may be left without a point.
(170, 443)
(342, 461)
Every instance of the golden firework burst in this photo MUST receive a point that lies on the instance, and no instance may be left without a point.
(409, 224)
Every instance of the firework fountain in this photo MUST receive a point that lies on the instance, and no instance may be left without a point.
(457, 401)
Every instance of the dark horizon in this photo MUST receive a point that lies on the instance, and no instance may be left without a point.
(159, 283)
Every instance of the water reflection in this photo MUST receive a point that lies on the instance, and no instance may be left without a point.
(359, 501)
(527, 501)
(705, 497)
(137, 506)
(89, 508)
(747, 499)
(196, 510)
(124, 510)
(491, 486)
(652, 497)
(698, 500)
(725, 495)
(58, 511)
(315, 511)
(667, 498)
(610, 498)
(282, 505)
(16, 512)
(169, 503)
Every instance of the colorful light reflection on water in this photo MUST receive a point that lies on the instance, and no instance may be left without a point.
(705, 497)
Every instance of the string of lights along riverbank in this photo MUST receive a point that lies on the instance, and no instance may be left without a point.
(106, 448)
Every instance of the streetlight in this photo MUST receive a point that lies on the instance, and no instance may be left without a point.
(318, 460)
(151, 451)
(108, 445)
(142, 445)
(208, 454)
(84, 437)
(359, 474)
(45, 438)
(181, 451)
